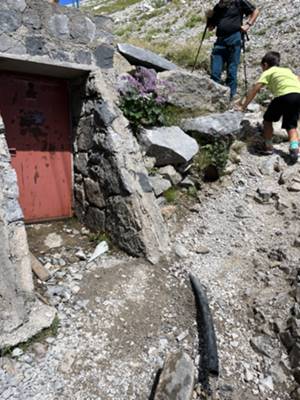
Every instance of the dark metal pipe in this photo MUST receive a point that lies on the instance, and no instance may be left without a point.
(209, 362)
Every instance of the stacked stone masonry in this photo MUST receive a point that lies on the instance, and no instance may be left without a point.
(107, 161)
(110, 181)
(38, 28)
(21, 314)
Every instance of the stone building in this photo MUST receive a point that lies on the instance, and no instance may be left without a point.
(65, 147)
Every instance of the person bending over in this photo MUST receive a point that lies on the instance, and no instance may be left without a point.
(285, 87)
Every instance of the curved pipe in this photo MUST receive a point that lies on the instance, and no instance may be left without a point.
(209, 362)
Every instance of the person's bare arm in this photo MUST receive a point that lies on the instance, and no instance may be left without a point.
(250, 21)
(251, 95)
(253, 17)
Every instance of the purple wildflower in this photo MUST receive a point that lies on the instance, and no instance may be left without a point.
(143, 96)
(147, 78)
(160, 99)
(128, 84)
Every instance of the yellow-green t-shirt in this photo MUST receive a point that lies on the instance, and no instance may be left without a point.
(280, 81)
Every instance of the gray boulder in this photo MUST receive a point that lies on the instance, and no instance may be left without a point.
(195, 92)
(18, 5)
(289, 175)
(269, 165)
(59, 26)
(177, 378)
(146, 58)
(169, 145)
(159, 184)
(225, 125)
(187, 183)
(170, 173)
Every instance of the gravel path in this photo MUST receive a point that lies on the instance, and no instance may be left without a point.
(246, 244)
(119, 317)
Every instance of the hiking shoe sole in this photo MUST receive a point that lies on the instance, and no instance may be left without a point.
(294, 154)
(264, 151)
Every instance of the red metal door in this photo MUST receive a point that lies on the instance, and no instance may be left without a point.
(36, 116)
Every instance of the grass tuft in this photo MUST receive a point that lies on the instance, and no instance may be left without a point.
(171, 195)
(99, 237)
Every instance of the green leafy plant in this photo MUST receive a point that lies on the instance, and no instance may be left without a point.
(140, 100)
(98, 237)
(212, 159)
(217, 153)
(171, 195)
(192, 192)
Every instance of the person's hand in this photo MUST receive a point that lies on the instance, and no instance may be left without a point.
(209, 13)
(245, 27)
(238, 106)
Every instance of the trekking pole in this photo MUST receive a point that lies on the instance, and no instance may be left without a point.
(244, 38)
(198, 52)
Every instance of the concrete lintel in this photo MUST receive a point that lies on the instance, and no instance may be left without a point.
(43, 66)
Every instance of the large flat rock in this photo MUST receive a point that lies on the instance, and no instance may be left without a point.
(195, 92)
(159, 184)
(214, 126)
(146, 58)
(40, 317)
(169, 145)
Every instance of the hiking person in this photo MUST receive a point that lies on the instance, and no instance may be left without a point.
(285, 86)
(227, 16)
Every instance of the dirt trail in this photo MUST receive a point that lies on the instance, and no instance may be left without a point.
(249, 224)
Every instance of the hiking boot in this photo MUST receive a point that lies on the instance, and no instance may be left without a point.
(264, 150)
(294, 153)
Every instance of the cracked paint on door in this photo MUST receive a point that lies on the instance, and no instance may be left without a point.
(35, 111)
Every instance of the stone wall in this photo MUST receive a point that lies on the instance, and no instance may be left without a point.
(21, 315)
(10, 217)
(36, 28)
(112, 190)
(111, 187)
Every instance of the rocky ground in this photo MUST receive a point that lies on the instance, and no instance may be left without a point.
(119, 317)
(173, 28)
